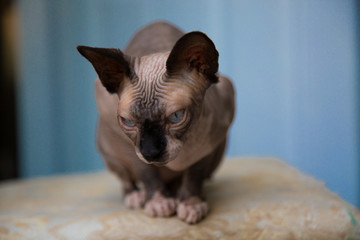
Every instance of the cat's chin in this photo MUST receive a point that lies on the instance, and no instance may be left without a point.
(156, 164)
(160, 163)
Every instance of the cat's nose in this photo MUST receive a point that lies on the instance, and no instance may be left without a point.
(152, 154)
(152, 149)
(152, 142)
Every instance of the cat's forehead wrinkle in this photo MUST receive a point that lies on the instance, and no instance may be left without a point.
(151, 66)
(155, 113)
(150, 71)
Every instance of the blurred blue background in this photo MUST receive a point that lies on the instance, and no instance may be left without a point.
(295, 65)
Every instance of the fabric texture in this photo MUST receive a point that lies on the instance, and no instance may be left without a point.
(249, 198)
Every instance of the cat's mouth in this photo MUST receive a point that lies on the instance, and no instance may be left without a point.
(159, 164)
(162, 161)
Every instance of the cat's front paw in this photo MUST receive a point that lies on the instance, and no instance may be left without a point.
(135, 199)
(192, 210)
(160, 206)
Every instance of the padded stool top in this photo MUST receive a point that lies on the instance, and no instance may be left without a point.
(249, 198)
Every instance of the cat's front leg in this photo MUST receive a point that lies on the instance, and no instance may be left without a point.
(192, 206)
(158, 201)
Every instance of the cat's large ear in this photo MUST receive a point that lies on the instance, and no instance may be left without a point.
(109, 63)
(194, 50)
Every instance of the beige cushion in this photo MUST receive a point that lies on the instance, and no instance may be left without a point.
(250, 198)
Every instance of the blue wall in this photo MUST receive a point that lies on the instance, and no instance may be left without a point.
(295, 65)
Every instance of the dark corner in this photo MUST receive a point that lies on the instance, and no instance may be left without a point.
(8, 124)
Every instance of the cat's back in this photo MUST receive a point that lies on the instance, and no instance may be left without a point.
(156, 37)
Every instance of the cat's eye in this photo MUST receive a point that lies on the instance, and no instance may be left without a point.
(127, 122)
(177, 116)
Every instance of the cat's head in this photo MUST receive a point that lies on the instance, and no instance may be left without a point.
(160, 95)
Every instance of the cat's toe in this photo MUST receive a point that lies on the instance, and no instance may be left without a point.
(192, 210)
(160, 206)
(135, 199)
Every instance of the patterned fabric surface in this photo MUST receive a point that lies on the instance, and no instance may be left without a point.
(250, 198)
